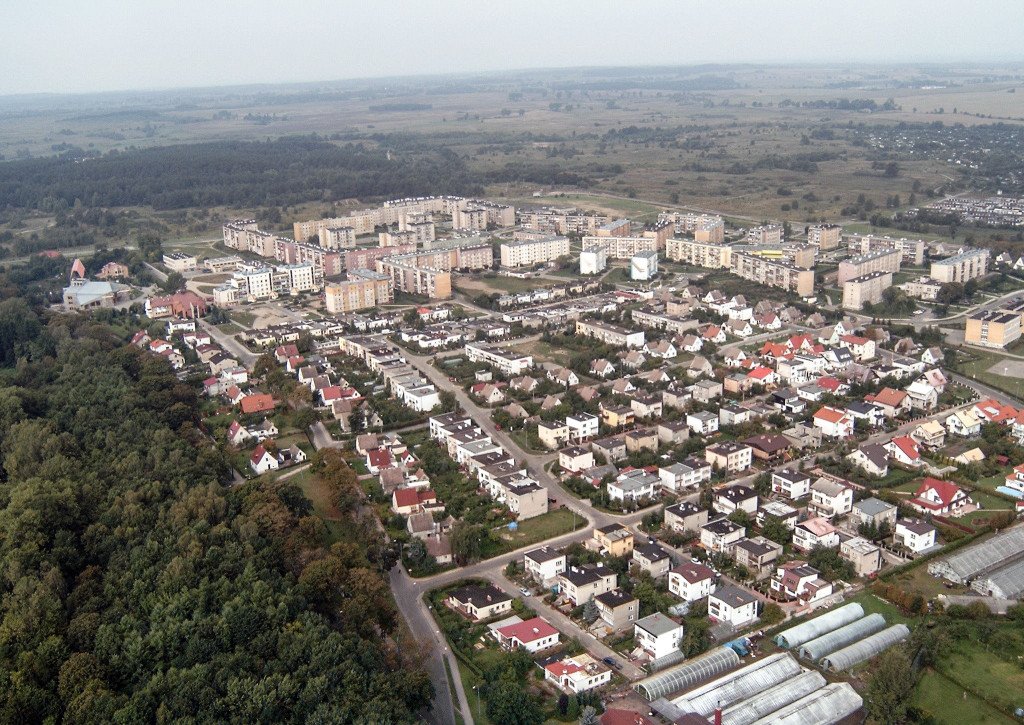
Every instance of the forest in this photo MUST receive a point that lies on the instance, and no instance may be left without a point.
(136, 588)
(285, 171)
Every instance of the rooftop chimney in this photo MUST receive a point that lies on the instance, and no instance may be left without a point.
(718, 716)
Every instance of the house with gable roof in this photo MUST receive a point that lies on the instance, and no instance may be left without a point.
(935, 496)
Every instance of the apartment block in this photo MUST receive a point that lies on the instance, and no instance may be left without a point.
(924, 288)
(610, 334)
(992, 328)
(622, 247)
(525, 253)
(770, 234)
(911, 249)
(505, 360)
(181, 262)
(865, 289)
(367, 258)
(364, 288)
(772, 273)
(593, 260)
(961, 267)
(705, 228)
(435, 284)
(614, 228)
(699, 254)
(824, 236)
(562, 221)
(882, 260)
(338, 237)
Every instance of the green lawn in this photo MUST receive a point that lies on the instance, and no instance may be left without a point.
(519, 436)
(229, 328)
(990, 502)
(992, 482)
(553, 523)
(950, 705)
(873, 604)
(997, 681)
(978, 369)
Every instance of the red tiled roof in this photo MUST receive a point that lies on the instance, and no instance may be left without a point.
(887, 396)
(257, 455)
(760, 373)
(379, 458)
(946, 491)
(854, 339)
(256, 403)
(908, 446)
(529, 631)
(832, 415)
(694, 572)
(829, 383)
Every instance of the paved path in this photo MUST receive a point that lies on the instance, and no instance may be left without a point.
(243, 354)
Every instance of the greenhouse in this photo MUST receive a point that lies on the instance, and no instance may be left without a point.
(964, 565)
(805, 632)
(740, 684)
(687, 674)
(867, 648)
(1006, 582)
(865, 627)
(826, 706)
(773, 699)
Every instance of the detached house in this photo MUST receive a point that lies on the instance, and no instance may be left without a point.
(834, 422)
(797, 580)
(904, 450)
(791, 484)
(963, 423)
(733, 606)
(939, 497)
(871, 458)
(930, 434)
(721, 535)
(262, 461)
(914, 534)
(892, 402)
(691, 581)
(830, 498)
(815, 532)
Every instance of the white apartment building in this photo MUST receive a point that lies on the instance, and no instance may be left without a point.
(593, 260)
(504, 359)
(961, 267)
(528, 252)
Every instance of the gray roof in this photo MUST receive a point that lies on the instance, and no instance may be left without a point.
(873, 506)
(734, 596)
(544, 554)
(658, 624)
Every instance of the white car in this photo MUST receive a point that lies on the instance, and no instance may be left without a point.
(918, 312)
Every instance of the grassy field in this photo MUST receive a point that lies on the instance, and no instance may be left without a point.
(531, 531)
(979, 369)
(939, 696)
(245, 319)
(473, 286)
(995, 680)
(544, 352)
(875, 605)
(230, 328)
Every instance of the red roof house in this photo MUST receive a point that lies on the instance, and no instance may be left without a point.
(256, 403)
(939, 497)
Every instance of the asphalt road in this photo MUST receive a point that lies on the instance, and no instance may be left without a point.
(244, 356)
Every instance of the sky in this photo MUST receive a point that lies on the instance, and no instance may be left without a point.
(71, 46)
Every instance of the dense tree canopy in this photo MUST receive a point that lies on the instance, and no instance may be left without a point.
(137, 589)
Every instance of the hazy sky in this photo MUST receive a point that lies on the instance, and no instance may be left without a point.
(77, 46)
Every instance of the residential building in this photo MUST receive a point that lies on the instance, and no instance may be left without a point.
(720, 535)
(544, 565)
(815, 532)
(658, 635)
(914, 534)
(736, 498)
(961, 267)
(834, 422)
(582, 426)
(767, 447)
(593, 260)
(623, 247)
(905, 451)
(643, 266)
(618, 609)
(652, 559)
(939, 497)
(180, 262)
(528, 252)
(732, 605)
(635, 485)
(575, 459)
(730, 456)
(685, 516)
(923, 288)
(702, 423)
(710, 255)
(691, 581)
(578, 585)
(795, 580)
(613, 540)
(610, 334)
(643, 439)
(791, 484)
(824, 236)
(578, 673)
(505, 360)
(871, 458)
(893, 403)
(882, 260)
(773, 273)
(873, 511)
(865, 556)
(963, 423)
(911, 249)
(552, 434)
(406, 276)
(866, 289)
(533, 635)
(784, 512)
(363, 289)
(930, 433)
(757, 555)
(479, 603)
(704, 391)
(992, 328)
(830, 498)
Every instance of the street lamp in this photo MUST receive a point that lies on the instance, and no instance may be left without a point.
(477, 688)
